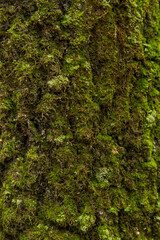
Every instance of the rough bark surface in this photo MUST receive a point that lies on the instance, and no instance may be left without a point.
(79, 119)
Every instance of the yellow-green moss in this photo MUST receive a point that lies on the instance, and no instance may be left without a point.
(79, 119)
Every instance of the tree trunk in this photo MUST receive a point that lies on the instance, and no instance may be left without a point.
(79, 120)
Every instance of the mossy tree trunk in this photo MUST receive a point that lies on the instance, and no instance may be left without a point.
(80, 119)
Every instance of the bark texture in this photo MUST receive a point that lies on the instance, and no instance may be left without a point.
(79, 119)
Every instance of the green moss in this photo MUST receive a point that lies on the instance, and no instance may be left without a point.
(79, 120)
(42, 231)
(105, 233)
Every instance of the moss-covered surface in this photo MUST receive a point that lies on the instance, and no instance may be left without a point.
(79, 119)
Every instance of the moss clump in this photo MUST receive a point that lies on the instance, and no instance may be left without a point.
(79, 119)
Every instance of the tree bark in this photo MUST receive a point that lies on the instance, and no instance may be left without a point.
(79, 119)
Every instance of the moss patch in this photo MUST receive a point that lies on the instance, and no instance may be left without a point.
(79, 119)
